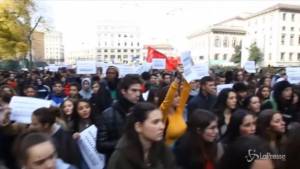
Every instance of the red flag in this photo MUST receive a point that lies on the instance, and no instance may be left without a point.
(171, 63)
(152, 53)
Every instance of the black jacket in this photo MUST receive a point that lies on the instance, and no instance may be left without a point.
(110, 126)
(201, 102)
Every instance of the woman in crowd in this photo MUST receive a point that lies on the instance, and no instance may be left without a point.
(271, 127)
(241, 123)
(292, 147)
(35, 150)
(82, 117)
(243, 154)
(252, 104)
(101, 98)
(224, 107)
(141, 145)
(265, 81)
(67, 113)
(172, 106)
(198, 148)
(282, 101)
(263, 93)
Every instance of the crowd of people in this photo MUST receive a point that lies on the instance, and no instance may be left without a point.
(156, 120)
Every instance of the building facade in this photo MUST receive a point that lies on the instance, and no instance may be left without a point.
(54, 48)
(215, 45)
(275, 31)
(118, 43)
(38, 47)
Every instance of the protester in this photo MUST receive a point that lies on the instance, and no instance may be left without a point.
(198, 148)
(206, 98)
(74, 92)
(172, 105)
(292, 146)
(263, 93)
(252, 104)
(111, 81)
(224, 107)
(141, 145)
(100, 100)
(43, 90)
(67, 109)
(30, 91)
(86, 91)
(112, 120)
(57, 96)
(36, 150)
(241, 89)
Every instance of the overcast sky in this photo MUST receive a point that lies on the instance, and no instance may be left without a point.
(165, 20)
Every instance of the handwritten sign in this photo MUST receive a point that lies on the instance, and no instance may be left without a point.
(23, 107)
(250, 66)
(187, 62)
(86, 67)
(158, 63)
(293, 74)
(223, 86)
(87, 146)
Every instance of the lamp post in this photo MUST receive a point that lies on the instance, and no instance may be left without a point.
(30, 42)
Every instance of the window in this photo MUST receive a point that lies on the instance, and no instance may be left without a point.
(112, 50)
(105, 56)
(119, 44)
(119, 35)
(125, 36)
(292, 28)
(291, 56)
(283, 28)
(132, 50)
(299, 40)
(282, 56)
(138, 44)
(119, 56)
(105, 50)
(119, 50)
(293, 17)
(282, 39)
(234, 42)
(225, 57)
(137, 50)
(131, 43)
(201, 57)
(283, 16)
(216, 56)
(125, 44)
(270, 56)
(225, 42)
(217, 41)
(125, 50)
(298, 56)
(99, 50)
(292, 40)
(105, 43)
(125, 56)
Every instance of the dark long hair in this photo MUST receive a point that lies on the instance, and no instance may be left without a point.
(292, 148)
(191, 150)
(221, 105)
(77, 118)
(133, 148)
(233, 129)
(259, 93)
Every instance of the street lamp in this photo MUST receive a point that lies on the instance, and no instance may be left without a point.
(30, 42)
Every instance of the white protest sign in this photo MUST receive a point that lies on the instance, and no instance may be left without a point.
(86, 67)
(223, 86)
(158, 63)
(249, 66)
(186, 60)
(53, 68)
(126, 69)
(293, 74)
(23, 107)
(201, 70)
(87, 145)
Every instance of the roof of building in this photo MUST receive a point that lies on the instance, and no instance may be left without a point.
(277, 7)
(159, 46)
(219, 29)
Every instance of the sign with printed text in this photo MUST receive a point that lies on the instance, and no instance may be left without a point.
(223, 86)
(86, 67)
(293, 74)
(158, 63)
(23, 107)
(53, 68)
(87, 146)
(187, 62)
(250, 66)
(201, 70)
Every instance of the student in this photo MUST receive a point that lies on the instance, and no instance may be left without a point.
(30, 91)
(111, 81)
(141, 145)
(57, 96)
(263, 93)
(67, 109)
(292, 147)
(173, 101)
(271, 127)
(74, 92)
(252, 104)
(224, 107)
(241, 123)
(83, 116)
(36, 150)
(112, 120)
(206, 98)
(198, 148)
(242, 154)
(101, 99)
(241, 90)
(86, 91)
